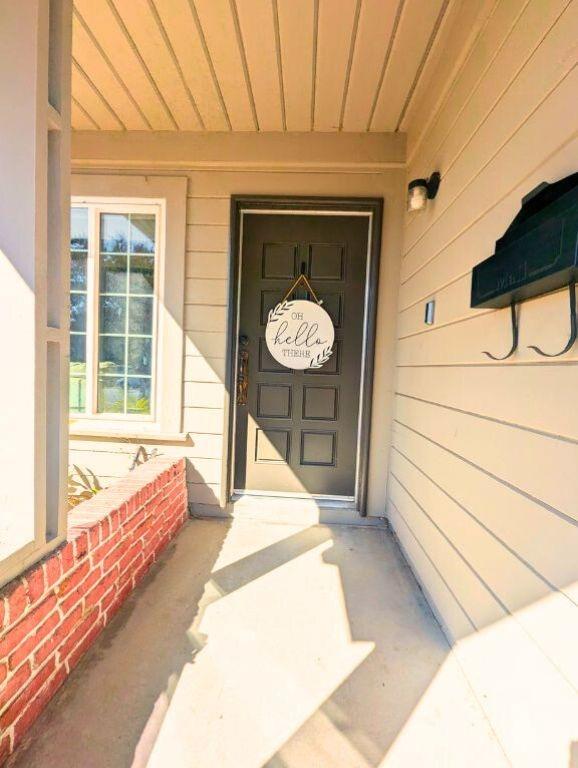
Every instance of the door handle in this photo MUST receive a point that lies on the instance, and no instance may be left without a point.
(243, 371)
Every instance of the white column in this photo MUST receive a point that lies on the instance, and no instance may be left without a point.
(35, 49)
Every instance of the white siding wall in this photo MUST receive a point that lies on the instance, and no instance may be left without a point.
(207, 261)
(483, 486)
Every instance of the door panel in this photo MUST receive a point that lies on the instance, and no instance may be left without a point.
(298, 431)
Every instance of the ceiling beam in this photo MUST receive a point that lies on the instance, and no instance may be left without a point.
(331, 151)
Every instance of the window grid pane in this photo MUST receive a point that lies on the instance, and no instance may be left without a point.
(78, 308)
(126, 311)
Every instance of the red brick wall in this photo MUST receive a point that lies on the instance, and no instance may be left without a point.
(53, 612)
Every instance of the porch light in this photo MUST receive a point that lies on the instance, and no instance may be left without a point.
(419, 191)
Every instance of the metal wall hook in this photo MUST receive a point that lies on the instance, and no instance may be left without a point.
(514, 347)
(573, 327)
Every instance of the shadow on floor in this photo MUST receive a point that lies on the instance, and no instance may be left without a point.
(255, 644)
(357, 724)
(370, 708)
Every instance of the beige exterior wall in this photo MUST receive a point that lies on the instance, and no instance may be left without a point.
(483, 483)
(217, 167)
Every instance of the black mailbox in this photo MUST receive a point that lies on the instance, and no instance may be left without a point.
(537, 253)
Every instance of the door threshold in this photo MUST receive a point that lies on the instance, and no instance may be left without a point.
(296, 511)
(342, 502)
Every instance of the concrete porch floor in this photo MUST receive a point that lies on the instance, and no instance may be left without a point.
(257, 644)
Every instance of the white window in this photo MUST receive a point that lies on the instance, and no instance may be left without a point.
(113, 308)
(127, 248)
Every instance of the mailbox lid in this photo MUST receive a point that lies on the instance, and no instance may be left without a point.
(537, 253)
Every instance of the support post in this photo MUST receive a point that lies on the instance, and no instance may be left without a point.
(35, 44)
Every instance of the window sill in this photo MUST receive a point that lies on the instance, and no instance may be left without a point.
(98, 430)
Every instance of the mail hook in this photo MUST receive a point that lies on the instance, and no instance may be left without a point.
(573, 329)
(514, 347)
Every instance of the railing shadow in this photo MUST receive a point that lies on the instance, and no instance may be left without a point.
(358, 723)
(222, 659)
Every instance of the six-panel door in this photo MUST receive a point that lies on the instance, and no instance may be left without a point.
(298, 431)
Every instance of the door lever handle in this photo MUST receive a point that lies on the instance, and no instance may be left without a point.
(243, 371)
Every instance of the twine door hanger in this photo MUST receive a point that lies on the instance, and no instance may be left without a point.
(300, 333)
(302, 280)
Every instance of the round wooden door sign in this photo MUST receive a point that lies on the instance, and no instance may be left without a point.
(300, 334)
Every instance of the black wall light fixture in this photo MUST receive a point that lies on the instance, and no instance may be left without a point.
(419, 191)
(537, 254)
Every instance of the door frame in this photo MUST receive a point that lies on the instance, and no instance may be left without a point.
(308, 205)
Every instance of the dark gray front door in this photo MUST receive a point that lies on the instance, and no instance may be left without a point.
(297, 432)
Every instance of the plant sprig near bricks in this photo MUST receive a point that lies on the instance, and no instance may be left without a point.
(83, 484)
(52, 613)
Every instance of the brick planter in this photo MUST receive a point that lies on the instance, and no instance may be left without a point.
(52, 613)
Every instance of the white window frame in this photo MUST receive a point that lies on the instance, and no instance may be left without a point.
(95, 209)
(127, 194)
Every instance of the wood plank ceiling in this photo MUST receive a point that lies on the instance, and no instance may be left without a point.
(249, 65)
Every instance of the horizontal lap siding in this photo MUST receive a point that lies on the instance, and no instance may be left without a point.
(483, 486)
(205, 320)
(535, 397)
